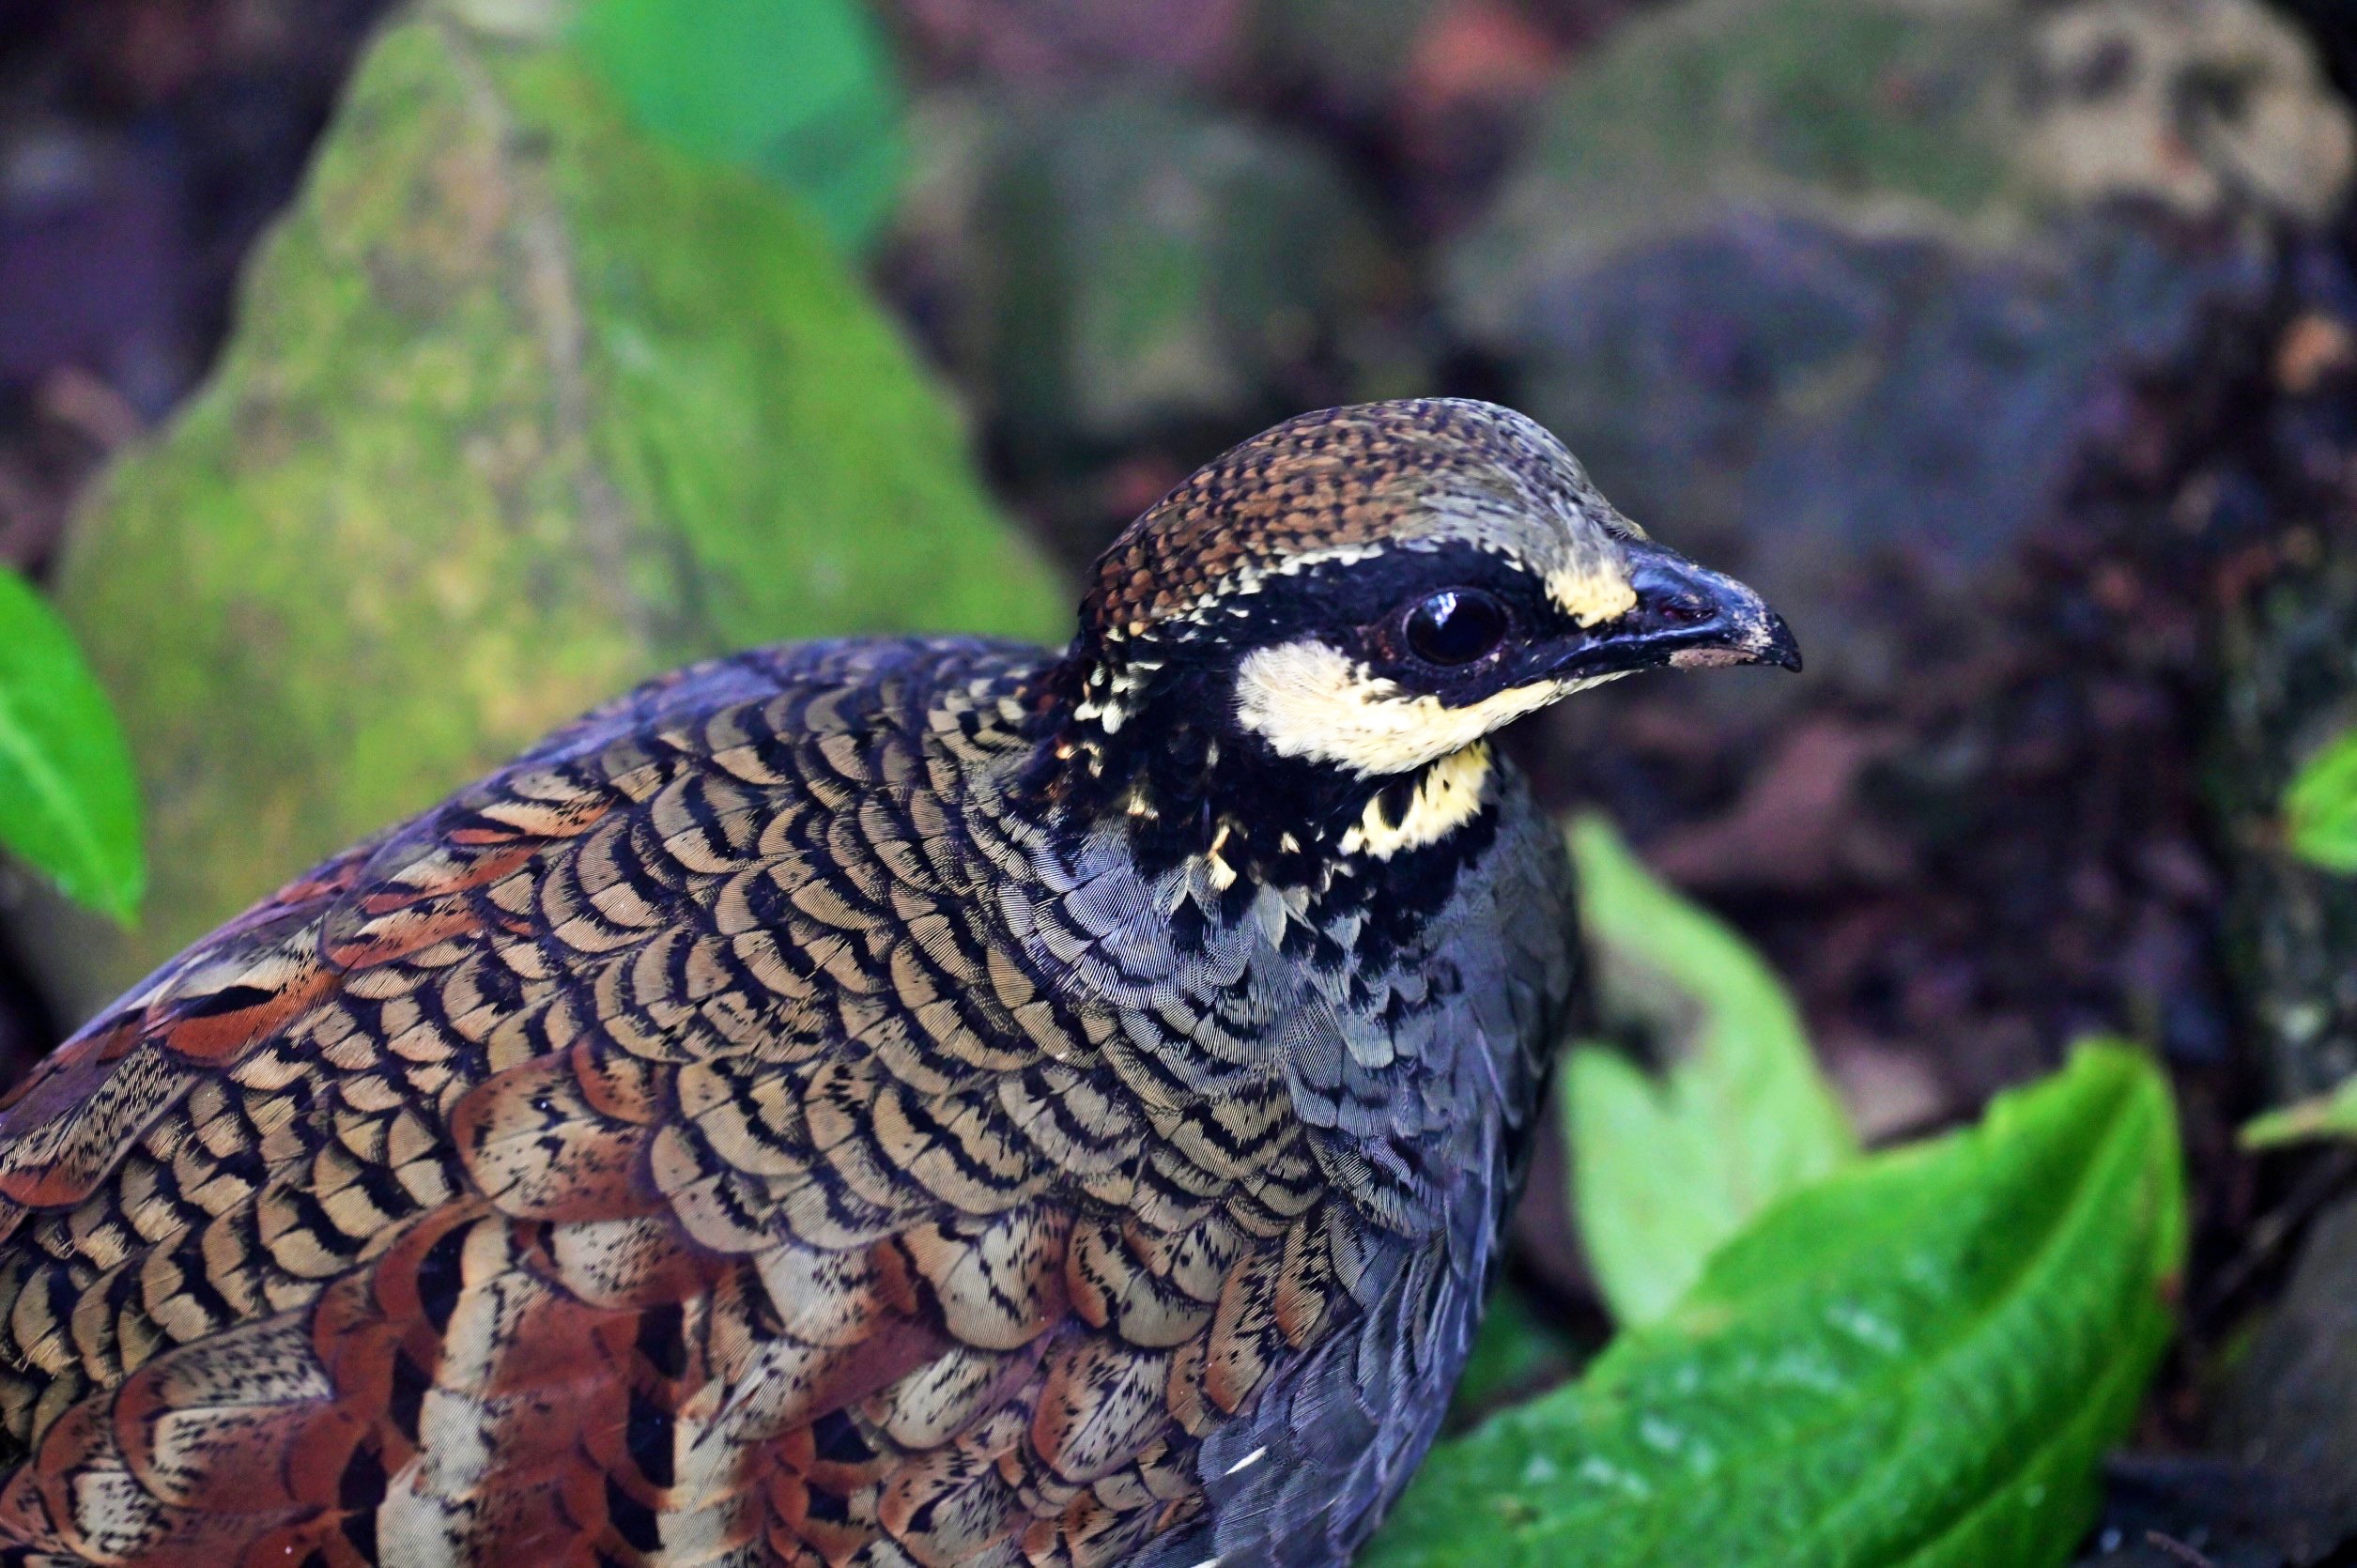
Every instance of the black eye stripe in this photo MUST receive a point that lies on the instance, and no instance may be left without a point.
(1455, 626)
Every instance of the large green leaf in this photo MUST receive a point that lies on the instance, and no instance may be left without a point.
(69, 806)
(1919, 1360)
(521, 406)
(798, 91)
(1665, 1170)
(2320, 806)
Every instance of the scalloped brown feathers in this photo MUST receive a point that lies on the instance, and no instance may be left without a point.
(748, 1130)
(667, 1149)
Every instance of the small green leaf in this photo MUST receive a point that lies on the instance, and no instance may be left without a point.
(2331, 1115)
(1663, 1172)
(2320, 806)
(67, 803)
(798, 91)
(1917, 1360)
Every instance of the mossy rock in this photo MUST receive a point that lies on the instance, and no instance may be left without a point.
(1819, 286)
(1133, 263)
(1963, 123)
(521, 407)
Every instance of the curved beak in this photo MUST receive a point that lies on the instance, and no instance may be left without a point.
(1686, 617)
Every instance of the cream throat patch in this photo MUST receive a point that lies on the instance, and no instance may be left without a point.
(1307, 698)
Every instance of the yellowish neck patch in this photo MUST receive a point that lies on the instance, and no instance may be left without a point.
(1447, 797)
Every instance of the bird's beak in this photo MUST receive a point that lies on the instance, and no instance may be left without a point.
(1686, 617)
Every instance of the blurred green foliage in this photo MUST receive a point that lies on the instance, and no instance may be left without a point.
(68, 805)
(1918, 1359)
(798, 91)
(2333, 1115)
(2320, 806)
(521, 407)
(1666, 1169)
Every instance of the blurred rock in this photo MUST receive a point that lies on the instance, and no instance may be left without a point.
(1440, 91)
(1887, 1095)
(2200, 104)
(1108, 269)
(2166, 1511)
(2334, 26)
(521, 408)
(2290, 1404)
(1073, 41)
(1798, 825)
(1952, 328)
(142, 144)
(1814, 293)
(1822, 285)
(1348, 56)
(92, 250)
(1969, 122)
(1161, 262)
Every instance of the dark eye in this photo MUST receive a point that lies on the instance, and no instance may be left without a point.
(1455, 627)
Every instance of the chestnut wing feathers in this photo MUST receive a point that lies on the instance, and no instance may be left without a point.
(666, 1147)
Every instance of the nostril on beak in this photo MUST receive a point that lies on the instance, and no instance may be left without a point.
(1681, 610)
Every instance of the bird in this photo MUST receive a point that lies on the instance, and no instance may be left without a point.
(894, 1101)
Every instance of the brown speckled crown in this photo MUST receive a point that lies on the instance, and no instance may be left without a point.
(1371, 472)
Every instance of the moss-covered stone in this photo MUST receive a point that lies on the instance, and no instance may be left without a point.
(520, 408)
(1820, 285)
(1135, 262)
(1963, 122)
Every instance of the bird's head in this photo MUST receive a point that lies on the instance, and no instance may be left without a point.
(1357, 597)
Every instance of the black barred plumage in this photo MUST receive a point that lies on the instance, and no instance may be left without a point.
(899, 1101)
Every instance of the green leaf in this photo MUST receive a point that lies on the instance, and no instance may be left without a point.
(1663, 1172)
(798, 91)
(521, 407)
(1919, 1360)
(69, 806)
(2320, 806)
(2332, 1115)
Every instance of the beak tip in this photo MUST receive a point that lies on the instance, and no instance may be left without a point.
(1717, 622)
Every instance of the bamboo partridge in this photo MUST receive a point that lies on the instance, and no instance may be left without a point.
(888, 1101)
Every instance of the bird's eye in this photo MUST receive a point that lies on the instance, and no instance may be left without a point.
(1457, 626)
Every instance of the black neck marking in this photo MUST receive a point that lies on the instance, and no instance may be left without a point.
(1183, 778)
